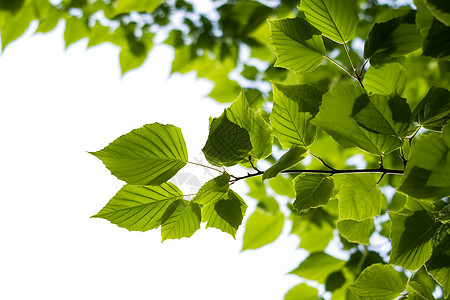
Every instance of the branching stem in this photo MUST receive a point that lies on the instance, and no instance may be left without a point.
(212, 168)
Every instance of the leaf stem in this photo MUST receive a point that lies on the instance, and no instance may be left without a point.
(342, 67)
(350, 59)
(204, 166)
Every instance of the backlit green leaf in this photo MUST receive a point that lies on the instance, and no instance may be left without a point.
(127, 6)
(15, 23)
(302, 291)
(148, 155)
(181, 219)
(356, 231)
(335, 117)
(378, 282)
(312, 190)
(336, 20)
(213, 191)
(317, 266)
(433, 111)
(134, 52)
(440, 9)
(386, 80)
(439, 264)
(288, 160)
(140, 207)
(298, 45)
(294, 106)
(76, 29)
(282, 186)
(262, 228)
(416, 291)
(227, 143)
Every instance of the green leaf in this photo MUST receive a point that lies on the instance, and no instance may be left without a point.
(411, 237)
(440, 9)
(282, 186)
(298, 45)
(439, 264)
(260, 132)
(437, 42)
(424, 18)
(416, 291)
(378, 282)
(76, 29)
(386, 115)
(134, 52)
(213, 191)
(317, 266)
(226, 214)
(127, 6)
(387, 80)
(139, 207)
(433, 111)
(427, 174)
(227, 143)
(289, 159)
(293, 107)
(15, 23)
(262, 228)
(148, 155)
(336, 19)
(302, 291)
(356, 231)
(359, 196)
(312, 190)
(335, 117)
(181, 219)
(392, 39)
(99, 34)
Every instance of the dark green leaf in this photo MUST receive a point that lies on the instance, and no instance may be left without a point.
(181, 219)
(298, 45)
(439, 264)
(227, 143)
(387, 80)
(312, 190)
(334, 281)
(148, 155)
(262, 228)
(433, 111)
(416, 291)
(356, 231)
(440, 9)
(437, 42)
(139, 207)
(336, 20)
(378, 282)
(302, 291)
(288, 160)
(317, 266)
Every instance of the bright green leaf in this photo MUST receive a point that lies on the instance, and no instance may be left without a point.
(298, 45)
(127, 6)
(99, 34)
(282, 186)
(317, 266)
(336, 20)
(359, 196)
(378, 282)
(440, 9)
(302, 291)
(227, 143)
(134, 52)
(294, 106)
(335, 117)
(15, 23)
(76, 29)
(288, 160)
(386, 80)
(140, 207)
(148, 155)
(213, 191)
(356, 231)
(262, 228)
(416, 291)
(181, 219)
(433, 111)
(312, 190)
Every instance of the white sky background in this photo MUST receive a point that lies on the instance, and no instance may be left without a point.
(56, 105)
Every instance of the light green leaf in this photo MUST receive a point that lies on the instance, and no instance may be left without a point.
(378, 282)
(336, 19)
(427, 174)
(298, 45)
(302, 291)
(99, 34)
(181, 219)
(140, 207)
(424, 18)
(213, 191)
(127, 6)
(416, 291)
(260, 132)
(227, 143)
(134, 53)
(288, 160)
(359, 196)
(387, 80)
(76, 29)
(317, 266)
(433, 111)
(49, 19)
(440, 9)
(356, 231)
(148, 155)
(335, 117)
(312, 190)
(392, 39)
(386, 115)
(15, 23)
(293, 107)
(225, 214)
(262, 228)
(411, 237)
(282, 186)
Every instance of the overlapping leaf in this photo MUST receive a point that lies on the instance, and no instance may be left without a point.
(288, 160)
(317, 266)
(302, 291)
(336, 20)
(213, 190)
(149, 155)
(433, 111)
(181, 219)
(356, 231)
(439, 264)
(262, 228)
(139, 207)
(440, 9)
(312, 190)
(386, 80)
(293, 107)
(298, 45)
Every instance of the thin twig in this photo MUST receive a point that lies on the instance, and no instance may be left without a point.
(362, 68)
(322, 161)
(350, 59)
(342, 67)
(251, 163)
(204, 166)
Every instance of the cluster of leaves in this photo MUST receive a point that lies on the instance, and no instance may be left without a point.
(393, 114)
